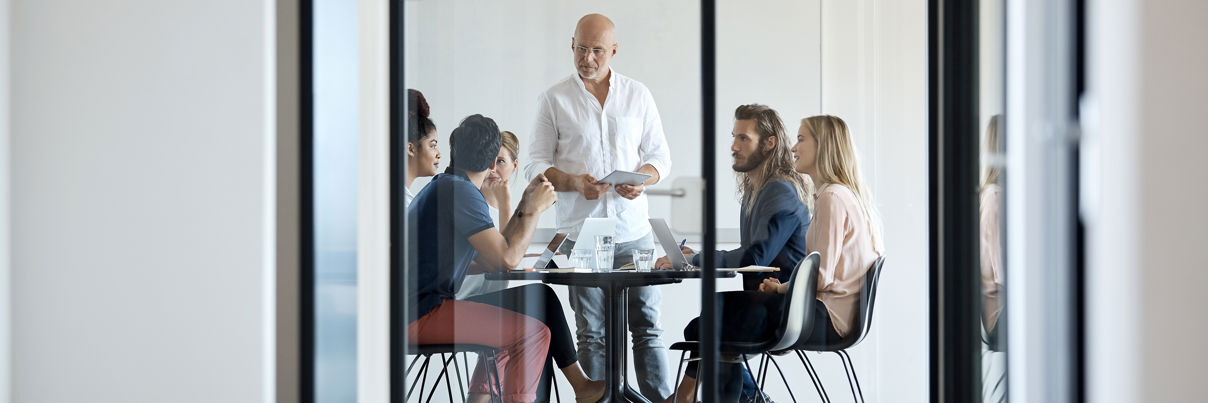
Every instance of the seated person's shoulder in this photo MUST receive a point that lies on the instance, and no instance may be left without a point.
(780, 186)
(779, 191)
(837, 193)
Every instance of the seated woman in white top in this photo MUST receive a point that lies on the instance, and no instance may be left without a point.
(423, 158)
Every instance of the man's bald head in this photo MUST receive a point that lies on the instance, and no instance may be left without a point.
(595, 43)
(596, 26)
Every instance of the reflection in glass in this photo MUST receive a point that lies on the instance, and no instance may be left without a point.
(991, 54)
(990, 222)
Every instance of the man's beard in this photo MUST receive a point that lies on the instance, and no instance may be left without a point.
(754, 161)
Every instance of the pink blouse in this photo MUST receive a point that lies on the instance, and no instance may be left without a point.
(991, 254)
(839, 233)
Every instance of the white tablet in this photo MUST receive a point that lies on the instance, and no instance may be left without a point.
(620, 177)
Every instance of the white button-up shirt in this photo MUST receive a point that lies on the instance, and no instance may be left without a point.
(576, 135)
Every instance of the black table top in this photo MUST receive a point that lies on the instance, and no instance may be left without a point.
(615, 278)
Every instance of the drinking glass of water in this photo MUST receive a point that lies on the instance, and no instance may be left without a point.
(643, 259)
(605, 249)
(583, 259)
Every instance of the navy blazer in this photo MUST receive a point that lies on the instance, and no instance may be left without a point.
(773, 234)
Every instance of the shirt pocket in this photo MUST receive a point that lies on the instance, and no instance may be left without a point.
(628, 142)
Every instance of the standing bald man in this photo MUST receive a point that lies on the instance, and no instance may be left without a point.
(588, 125)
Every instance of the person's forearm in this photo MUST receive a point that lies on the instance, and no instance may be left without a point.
(505, 210)
(519, 234)
(649, 170)
(476, 268)
(562, 181)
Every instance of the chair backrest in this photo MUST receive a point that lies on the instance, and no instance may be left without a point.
(868, 298)
(798, 314)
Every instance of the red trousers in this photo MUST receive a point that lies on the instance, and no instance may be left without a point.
(523, 342)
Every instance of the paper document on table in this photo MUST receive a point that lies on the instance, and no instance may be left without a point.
(568, 270)
(751, 269)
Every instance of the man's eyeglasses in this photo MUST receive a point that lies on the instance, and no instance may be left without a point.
(582, 50)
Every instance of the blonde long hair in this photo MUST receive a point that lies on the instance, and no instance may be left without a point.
(777, 164)
(509, 142)
(838, 163)
(993, 160)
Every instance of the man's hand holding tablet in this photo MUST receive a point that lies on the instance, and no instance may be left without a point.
(619, 177)
(628, 184)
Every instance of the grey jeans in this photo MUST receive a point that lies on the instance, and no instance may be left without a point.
(649, 353)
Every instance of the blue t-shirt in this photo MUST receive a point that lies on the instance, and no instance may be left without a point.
(442, 217)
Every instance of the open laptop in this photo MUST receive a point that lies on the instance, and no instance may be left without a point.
(593, 227)
(676, 255)
(670, 246)
(550, 250)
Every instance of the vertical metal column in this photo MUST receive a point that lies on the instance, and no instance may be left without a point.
(954, 144)
(709, 330)
(399, 260)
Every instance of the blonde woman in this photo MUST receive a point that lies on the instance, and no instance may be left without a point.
(846, 231)
(991, 218)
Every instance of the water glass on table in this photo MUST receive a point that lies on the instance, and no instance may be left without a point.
(605, 249)
(583, 259)
(643, 259)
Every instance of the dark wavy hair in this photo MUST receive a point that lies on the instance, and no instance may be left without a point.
(778, 164)
(418, 122)
(474, 144)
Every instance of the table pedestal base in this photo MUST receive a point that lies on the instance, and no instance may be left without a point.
(616, 302)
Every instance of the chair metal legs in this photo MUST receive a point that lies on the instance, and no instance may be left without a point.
(849, 369)
(764, 374)
(809, 369)
(494, 381)
(679, 369)
(758, 384)
(857, 393)
(423, 373)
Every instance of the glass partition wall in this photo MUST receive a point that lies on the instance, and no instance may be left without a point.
(721, 102)
(329, 200)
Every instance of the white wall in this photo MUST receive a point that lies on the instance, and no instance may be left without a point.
(1148, 224)
(874, 65)
(143, 195)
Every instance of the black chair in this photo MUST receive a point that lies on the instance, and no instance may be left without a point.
(797, 315)
(448, 354)
(859, 330)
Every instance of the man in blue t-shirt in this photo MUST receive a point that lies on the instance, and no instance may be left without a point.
(451, 222)
(453, 234)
